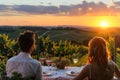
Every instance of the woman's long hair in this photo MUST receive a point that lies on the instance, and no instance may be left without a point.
(98, 51)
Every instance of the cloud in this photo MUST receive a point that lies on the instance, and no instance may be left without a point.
(67, 10)
(53, 10)
(41, 2)
(29, 9)
(3, 7)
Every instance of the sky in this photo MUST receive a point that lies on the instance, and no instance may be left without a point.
(53, 13)
(49, 2)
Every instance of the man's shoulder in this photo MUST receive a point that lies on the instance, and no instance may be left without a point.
(34, 61)
(12, 59)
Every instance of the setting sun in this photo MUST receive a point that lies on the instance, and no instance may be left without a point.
(104, 24)
(105, 21)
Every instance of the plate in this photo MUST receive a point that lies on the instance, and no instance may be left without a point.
(71, 73)
(47, 73)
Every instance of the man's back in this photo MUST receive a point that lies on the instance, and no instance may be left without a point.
(24, 64)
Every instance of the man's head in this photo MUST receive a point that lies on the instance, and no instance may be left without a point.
(27, 41)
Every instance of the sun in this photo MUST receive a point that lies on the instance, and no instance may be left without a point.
(104, 24)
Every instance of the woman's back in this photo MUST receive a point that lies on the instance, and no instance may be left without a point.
(95, 72)
(101, 73)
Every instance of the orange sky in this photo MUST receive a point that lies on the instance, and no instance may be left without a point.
(50, 20)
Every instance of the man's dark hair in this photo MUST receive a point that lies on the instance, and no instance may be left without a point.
(26, 40)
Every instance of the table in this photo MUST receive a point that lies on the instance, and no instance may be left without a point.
(59, 74)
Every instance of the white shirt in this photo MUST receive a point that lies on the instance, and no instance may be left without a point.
(23, 63)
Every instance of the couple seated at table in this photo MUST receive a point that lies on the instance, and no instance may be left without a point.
(99, 66)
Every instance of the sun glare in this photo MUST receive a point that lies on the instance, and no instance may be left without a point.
(104, 24)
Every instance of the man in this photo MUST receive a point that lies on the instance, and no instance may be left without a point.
(23, 63)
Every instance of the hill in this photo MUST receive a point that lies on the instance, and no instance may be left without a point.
(79, 35)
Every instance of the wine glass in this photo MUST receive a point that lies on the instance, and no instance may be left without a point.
(42, 60)
(49, 63)
(53, 66)
(75, 60)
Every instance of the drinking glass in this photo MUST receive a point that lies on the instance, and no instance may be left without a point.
(75, 60)
(53, 66)
(49, 63)
(43, 60)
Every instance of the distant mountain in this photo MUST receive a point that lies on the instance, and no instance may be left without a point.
(79, 35)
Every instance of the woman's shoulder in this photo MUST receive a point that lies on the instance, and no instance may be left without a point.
(87, 66)
(111, 62)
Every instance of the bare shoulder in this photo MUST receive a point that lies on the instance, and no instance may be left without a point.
(111, 62)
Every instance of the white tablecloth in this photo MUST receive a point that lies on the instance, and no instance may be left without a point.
(59, 74)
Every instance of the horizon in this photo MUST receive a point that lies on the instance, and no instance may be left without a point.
(56, 26)
(90, 21)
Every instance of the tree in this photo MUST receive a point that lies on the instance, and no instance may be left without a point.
(5, 46)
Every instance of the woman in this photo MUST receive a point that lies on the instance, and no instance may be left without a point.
(99, 66)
